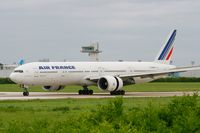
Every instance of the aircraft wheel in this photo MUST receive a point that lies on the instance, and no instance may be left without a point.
(85, 92)
(26, 93)
(120, 92)
(80, 92)
(90, 92)
(112, 93)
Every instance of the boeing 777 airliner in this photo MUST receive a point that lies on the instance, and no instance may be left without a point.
(108, 76)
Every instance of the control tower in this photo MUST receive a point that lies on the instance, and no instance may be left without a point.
(92, 50)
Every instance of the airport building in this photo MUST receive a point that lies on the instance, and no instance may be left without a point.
(5, 70)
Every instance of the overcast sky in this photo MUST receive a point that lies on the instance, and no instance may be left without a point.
(126, 29)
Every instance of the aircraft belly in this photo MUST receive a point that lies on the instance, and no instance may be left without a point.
(140, 80)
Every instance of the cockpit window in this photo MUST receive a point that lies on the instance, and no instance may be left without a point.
(18, 71)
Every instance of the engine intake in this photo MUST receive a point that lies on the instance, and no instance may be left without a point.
(110, 83)
(52, 88)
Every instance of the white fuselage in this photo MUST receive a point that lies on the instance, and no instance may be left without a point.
(76, 73)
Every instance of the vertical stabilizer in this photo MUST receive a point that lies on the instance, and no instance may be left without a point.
(21, 62)
(165, 54)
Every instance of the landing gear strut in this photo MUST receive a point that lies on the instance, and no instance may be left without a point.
(85, 91)
(119, 92)
(25, 90)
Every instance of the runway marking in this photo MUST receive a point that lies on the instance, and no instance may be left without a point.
(64, 95)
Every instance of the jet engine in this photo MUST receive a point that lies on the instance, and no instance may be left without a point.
(53, 88)
(110, 83)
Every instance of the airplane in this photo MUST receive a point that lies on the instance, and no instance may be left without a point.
(108, 76)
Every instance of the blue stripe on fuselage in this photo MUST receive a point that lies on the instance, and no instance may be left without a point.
(168, 46)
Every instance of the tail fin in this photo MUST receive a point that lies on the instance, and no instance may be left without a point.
(21, 62)
(165, 54)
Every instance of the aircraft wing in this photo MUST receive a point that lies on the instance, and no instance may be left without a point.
(152, 74)
(157, 73)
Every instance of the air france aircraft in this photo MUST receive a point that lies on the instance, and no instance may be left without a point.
(108, 76)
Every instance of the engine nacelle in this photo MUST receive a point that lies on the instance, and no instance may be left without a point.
(110, 83)
(53, 88)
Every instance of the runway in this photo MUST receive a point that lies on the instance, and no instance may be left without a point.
(63, 95)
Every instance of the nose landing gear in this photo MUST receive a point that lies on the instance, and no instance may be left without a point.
(25, 90)
(26, 93)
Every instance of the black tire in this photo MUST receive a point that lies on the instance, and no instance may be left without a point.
(122, 92)
(85, 92)
(80, 92)
(25, 93)
(112, 93)
(90, 92)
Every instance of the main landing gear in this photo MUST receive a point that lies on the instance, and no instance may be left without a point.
(119, 92)
(85, 91)
(25, 90)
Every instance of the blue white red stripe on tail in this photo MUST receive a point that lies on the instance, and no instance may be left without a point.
(168, 48)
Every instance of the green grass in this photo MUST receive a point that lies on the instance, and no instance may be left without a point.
(101, 115)
(179, 86)
(45, 115)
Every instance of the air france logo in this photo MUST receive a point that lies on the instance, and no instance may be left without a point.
(55, 67)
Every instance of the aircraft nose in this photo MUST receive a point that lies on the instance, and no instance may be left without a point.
(13, 77)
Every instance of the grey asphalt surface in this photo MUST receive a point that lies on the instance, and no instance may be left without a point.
(62, 95)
